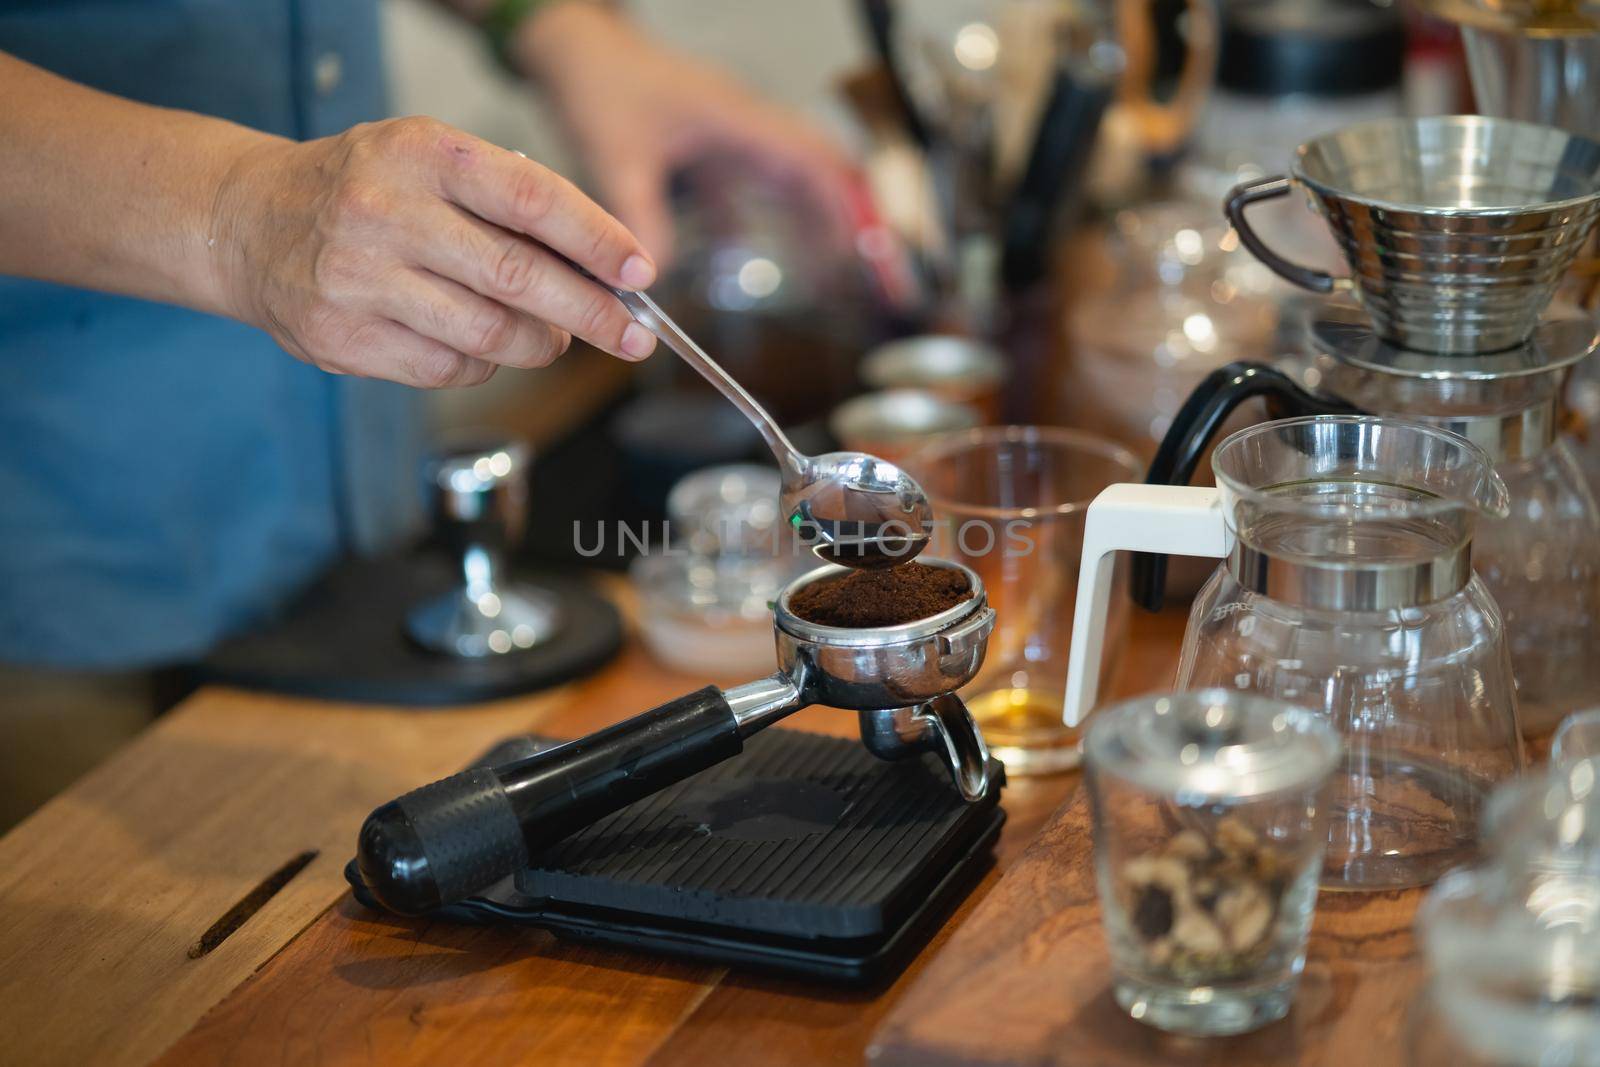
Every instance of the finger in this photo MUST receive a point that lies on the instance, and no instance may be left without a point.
(518, 194)
(473, 325)
(638, 196)
(379, 348)
(518, 273)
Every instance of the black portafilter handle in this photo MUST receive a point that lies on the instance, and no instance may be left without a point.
(443, 842)
(1192, 431)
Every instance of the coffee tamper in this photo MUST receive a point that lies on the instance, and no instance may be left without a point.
(479, 497)
(446, 841)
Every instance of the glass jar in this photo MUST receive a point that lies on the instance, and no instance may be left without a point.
(1577, 739)
(705, 597)
(1209, 811)
(1183, 299)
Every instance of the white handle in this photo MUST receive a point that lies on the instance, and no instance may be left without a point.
(1175, 520)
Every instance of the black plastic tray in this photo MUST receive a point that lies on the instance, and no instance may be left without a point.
(804, 855)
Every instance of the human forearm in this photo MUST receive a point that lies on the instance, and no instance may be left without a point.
(400, 249)
(106, 193)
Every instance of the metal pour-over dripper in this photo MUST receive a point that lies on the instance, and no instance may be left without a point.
(1457, 229)
(448, 840)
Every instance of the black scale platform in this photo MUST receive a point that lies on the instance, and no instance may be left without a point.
(805, 854)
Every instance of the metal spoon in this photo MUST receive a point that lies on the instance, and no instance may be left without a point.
(851, 508)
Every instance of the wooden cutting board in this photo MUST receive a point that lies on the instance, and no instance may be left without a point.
(1026, 980)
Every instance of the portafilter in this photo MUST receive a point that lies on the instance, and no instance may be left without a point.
(443, 842)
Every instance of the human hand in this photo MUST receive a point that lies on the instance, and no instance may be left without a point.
(411, 251)
(637, 111)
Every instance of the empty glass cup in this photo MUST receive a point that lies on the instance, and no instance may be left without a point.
(1210, 812)
(1513, 946)
(1010, 502)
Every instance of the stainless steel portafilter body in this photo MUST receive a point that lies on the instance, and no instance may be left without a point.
(445, 841)
(901, 679)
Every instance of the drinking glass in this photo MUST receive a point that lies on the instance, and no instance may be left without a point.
(1577, 739)
(1513, 944)
(1210, 812)
(1010, 504)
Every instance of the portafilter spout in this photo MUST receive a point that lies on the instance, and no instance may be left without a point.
(443, 842)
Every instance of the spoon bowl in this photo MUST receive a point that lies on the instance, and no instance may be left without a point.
(858, 510)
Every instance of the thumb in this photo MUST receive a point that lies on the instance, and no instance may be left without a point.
(638, 196)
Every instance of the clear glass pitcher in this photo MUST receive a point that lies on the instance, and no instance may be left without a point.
(1347, 588)
(1541, 561)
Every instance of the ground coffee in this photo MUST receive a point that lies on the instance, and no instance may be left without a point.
(890, 597)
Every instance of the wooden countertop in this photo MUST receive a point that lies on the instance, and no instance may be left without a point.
(107, 894)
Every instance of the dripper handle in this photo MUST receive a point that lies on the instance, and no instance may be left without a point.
(1182, 520)
(1242, 196)
(1194, 428)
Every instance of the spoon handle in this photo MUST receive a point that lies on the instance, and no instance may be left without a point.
(648, 313)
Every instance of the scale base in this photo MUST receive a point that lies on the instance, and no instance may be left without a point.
(805, 855)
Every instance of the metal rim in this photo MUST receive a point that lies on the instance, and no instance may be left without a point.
(1351, 587)
(1300, 175)
(1562, 338)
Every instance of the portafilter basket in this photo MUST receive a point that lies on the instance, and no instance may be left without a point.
(1457, 229)
(445, 841)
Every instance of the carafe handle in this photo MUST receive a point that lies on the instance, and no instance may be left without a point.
(1182, 520)
(1242, 196)
(1195, 426)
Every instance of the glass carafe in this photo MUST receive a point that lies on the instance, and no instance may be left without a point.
(1347, 588)
(1541, 560)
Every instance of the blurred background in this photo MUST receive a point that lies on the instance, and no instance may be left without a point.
(1028, 275)
(1165, 105)
(439, 66)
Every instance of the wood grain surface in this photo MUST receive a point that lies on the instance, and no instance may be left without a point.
(1026, 980)
(105, 890)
